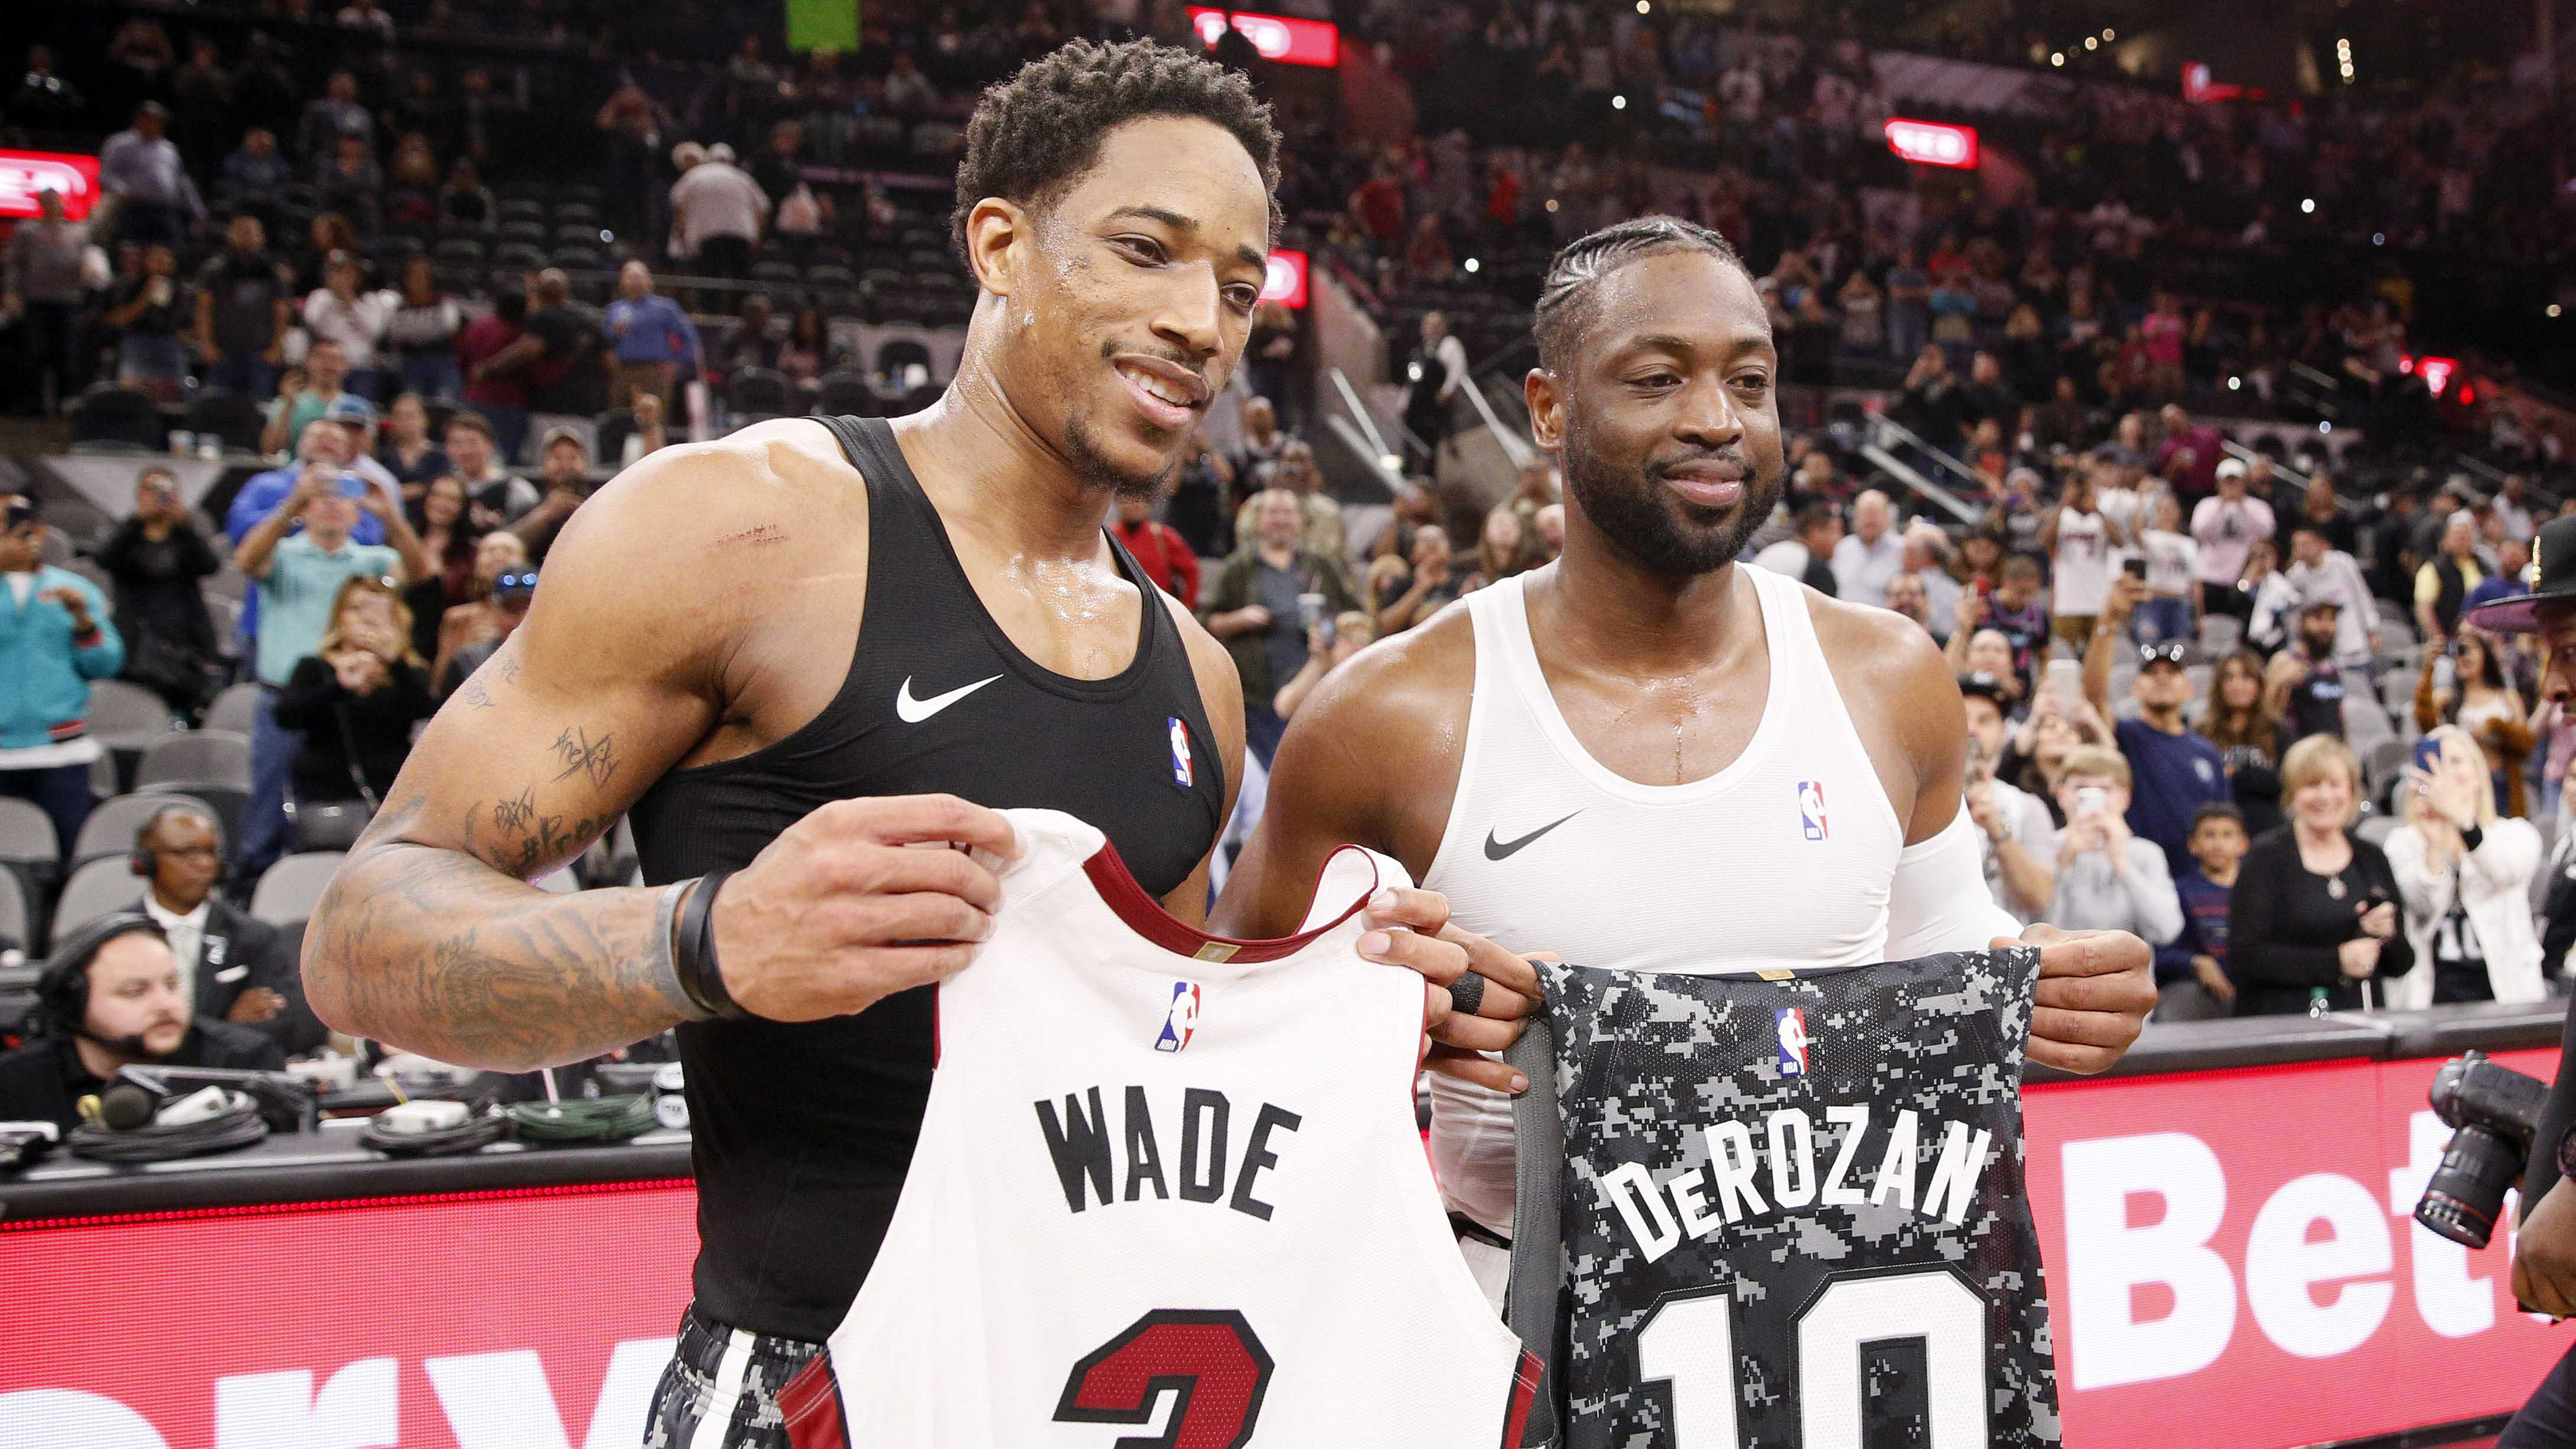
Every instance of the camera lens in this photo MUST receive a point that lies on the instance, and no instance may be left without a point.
(2466, 1193)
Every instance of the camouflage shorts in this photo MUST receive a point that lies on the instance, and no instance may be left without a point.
(729, 1388)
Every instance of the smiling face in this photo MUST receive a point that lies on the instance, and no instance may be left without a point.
(1664, 414)
(1116, 308)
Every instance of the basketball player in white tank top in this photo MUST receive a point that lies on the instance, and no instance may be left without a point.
(1641, 756)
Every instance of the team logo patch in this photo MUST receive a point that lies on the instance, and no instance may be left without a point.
(1182, 774)
(1791, 1023)
(1181, 1019)
(1811, 808)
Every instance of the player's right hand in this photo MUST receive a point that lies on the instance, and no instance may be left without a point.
(842, 910)
(2544, 1254)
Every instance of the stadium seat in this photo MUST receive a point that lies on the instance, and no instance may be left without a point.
(843, 393)
(111, 826)
(100, 887)
(2220, 633)
(214, 757)
(615, 426)
(122, 710)
(530, 233)
(334, 826)
(463, 250)
(234, 709)
(900, 353)
(577, 258)
(758, 391)
(289, 890)
(16, 929)
(227, 415)
(27, 833)
(111, 414)
(517, 256)
(783, 273)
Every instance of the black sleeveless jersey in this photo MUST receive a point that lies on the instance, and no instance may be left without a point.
(1782, 1214)
(803, 1131)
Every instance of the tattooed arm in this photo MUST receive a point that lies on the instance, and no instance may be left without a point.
(653, 635)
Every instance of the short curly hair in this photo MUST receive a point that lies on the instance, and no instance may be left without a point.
(1040, 130)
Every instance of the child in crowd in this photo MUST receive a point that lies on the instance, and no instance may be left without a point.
(2191, 970)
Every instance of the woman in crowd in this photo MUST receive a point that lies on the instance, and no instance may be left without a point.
(447, 532)
(2248, 736)
(151, 309)
(356, 698)
(807, 352)
(421, 333)
(2035, 757)
(407, 451)
(2313, 919)
(155, 557)
(1502, 549)
(481, 618)
(341, 312)
(2481, 700)
(411, 187)
(2464, 873)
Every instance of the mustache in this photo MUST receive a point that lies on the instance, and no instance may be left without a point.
(1111, 350)
(1663, 467)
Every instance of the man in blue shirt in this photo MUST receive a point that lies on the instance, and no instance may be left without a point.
(298, 578)
(2174, 770)
(2513, 557)
(655, 340)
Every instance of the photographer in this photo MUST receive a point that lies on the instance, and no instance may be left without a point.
(155, 558)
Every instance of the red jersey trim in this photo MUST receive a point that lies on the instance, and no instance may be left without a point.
(1146, 917)
(810, 1407)
(1525, 1383)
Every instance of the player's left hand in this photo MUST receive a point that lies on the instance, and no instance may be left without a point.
(1442, 953)
(2095, 990)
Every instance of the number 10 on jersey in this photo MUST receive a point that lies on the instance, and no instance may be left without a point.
(1687, 1342)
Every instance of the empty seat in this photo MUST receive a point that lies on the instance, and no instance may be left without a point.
(215, 757)
(533, 233)
(462, 250)
(27, 833)
(123, 711)
(780, 272)
(234, 709)
(289, 890)
(228, 415)
(101, 887)
(760, 391)
(843, 392)
(111, 414)
(15, 926)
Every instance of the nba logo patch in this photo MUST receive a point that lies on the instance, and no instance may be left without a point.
(1791, 1023)
(1811, 808)
(1181, 1019)
(1182, 774)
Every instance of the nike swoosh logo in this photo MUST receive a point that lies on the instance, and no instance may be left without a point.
(1498, 849)
(914, 711)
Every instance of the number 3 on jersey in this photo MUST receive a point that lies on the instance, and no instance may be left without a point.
(1209, 1359)
(1688, 1342)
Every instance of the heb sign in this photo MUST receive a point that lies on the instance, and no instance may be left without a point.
(2231, 1260)
(2230, 1264)
(25, 173)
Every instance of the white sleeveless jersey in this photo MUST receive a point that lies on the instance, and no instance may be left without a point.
(1780, 861)
(1169, 1182)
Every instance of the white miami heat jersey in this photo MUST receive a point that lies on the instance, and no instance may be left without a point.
(1169, 1190)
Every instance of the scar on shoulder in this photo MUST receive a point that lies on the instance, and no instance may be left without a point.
(754, 537)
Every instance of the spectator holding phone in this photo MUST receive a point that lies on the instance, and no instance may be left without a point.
(2191, 970)
(155, 558)
(2313, 918)
(2176, 770)
(1329, 646)
(496, 603)
(2107, 878)
(2464, 872)
(2017, 841)
(2244, 723)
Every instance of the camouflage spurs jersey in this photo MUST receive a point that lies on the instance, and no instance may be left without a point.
(1783, 1214)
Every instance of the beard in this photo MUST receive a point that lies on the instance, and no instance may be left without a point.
(1093, 463)
(1671, 538)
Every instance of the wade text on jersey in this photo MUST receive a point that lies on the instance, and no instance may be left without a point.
(1797, 1171)
(1105, 1162)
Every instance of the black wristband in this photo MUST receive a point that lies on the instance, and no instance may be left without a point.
(694, 953)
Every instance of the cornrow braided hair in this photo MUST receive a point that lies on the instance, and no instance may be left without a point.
(1586, 260)
(1041, 129)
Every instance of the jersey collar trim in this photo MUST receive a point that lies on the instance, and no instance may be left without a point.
(1146, 917)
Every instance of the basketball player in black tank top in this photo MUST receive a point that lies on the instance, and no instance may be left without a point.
(793, 668)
